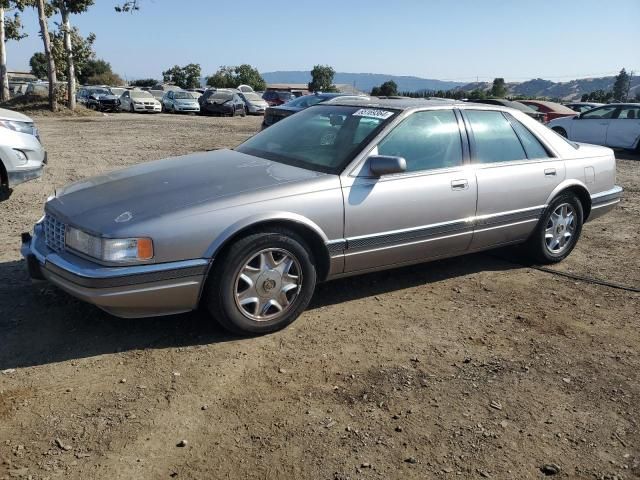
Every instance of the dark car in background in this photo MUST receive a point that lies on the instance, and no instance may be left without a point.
(222, 102)
(513, 104)
(103, 99)
(274, 97)
(275, 114)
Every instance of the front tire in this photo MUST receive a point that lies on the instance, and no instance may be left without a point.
(261, 283)
(558, 230)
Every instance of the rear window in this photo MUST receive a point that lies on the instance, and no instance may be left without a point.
(531, 144)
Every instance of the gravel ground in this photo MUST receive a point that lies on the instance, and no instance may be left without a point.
(474, 367)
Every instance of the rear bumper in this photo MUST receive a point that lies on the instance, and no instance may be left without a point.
(128, 291)
(604, 202)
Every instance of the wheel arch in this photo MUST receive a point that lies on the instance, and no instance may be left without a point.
(579, 189)
(311, 233)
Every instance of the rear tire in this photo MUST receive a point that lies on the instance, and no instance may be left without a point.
(560, 131)
(558, 230)
(131, 109)
(261, 283)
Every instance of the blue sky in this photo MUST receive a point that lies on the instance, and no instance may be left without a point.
(444, 39)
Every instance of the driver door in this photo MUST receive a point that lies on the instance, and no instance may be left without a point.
(591, 127)
(419, 214)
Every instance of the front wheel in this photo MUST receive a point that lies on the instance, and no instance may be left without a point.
(557, 231)
(262, 283)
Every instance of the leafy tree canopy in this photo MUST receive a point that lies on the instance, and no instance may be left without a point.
(184, 77)
(322, 79)
(232, 77)
(38, 64)
(621, 86)
(81, 47)
(387, 89)
(144, 82)
(499, 88)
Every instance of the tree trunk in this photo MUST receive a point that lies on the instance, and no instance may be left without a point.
(71, 70)
(4, 79)
(51, 65)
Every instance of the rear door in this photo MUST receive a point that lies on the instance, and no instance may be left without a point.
(420, 214)
(515, 174)
(624, 130)
(591, 126)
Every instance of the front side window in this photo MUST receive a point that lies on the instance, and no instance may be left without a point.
(426, 140)
(323, 138)
(600, 113)
(495, 140)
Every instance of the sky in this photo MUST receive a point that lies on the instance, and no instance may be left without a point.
(459, 40)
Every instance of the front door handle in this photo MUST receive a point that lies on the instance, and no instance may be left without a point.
(550, 172)
(461, 184)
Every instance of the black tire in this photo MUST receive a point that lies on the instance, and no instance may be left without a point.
(560, 131)
(537, 246)
(131, 109)
(222, 286)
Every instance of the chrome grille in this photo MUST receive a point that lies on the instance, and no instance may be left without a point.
(54, 233)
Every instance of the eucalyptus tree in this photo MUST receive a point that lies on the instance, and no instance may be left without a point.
(10, 29)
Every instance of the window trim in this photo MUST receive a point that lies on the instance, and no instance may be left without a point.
(512, 120)
(614, 115)
(425, 171)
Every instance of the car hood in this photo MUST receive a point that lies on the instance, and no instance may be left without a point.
(152, 189)
(185, 101)
(105, 97)
(14, 116)
(287, 109)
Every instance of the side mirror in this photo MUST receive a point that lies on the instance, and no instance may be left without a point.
(386, 165)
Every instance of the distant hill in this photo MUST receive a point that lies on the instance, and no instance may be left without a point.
(364, 81)
(571, 90)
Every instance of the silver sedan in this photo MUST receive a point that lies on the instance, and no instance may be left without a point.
(341, 188)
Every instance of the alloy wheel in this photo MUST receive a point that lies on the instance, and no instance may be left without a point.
(560, 229)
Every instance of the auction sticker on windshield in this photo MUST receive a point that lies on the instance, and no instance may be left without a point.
(373, 112)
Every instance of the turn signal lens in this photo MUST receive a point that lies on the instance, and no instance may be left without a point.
(145, 249)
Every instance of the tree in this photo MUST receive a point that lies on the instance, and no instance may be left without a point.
(621, 86)
(44, 11)
(105, 78)
(184, 77)
(387, 89)
(81, 53)
(322, 79)
(477, 94)
(66, 8)
(499, 88)
(38, 64)
(144, 82)
(232, 77)
(94, 67)
(129, 6)
(10, 29)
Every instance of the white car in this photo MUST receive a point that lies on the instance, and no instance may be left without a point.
(139, 101)
(22, 156)
(614, 125)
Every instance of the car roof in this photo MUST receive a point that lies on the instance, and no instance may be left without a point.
(400, 103)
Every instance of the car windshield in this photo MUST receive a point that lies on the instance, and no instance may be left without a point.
(183, 95)
(324, 138)
(221, 97)
(252, 97)
(140, 94)
(117, 91)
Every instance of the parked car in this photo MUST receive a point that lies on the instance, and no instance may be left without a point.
(222, 102)
(175, 101)
(253, 103)
(334, 190)
(22, 156)
(614, 125)
(103, 99)
(511, 104)
(275, 114)
(582, 107)
(275, 98)
(139, 101)
(551, 110)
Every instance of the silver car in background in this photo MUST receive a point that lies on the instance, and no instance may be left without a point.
(180, 101)
(22, 156)
(337, 189)
(254, 103)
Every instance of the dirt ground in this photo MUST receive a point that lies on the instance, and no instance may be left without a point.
(473, 367)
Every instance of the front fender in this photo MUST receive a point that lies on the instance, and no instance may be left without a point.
(276, 216)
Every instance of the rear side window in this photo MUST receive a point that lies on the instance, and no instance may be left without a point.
(426, 140)
(531, 144)
(495, 140)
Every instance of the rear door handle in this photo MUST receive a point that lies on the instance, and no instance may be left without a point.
(461, 184)
(550, 172)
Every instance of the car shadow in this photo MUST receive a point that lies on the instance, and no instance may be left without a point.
(40, 324)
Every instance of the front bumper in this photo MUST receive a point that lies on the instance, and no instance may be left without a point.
(147, 108)
(126, 291)
(187, 108)
(30, 171)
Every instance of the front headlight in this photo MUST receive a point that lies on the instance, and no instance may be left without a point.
(138, 103)
(109, 249)
(22, 127)
(21, 156)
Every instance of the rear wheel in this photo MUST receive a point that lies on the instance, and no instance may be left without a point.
(560, 131)
(131, 108)
(262, 283)
(557, 231)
